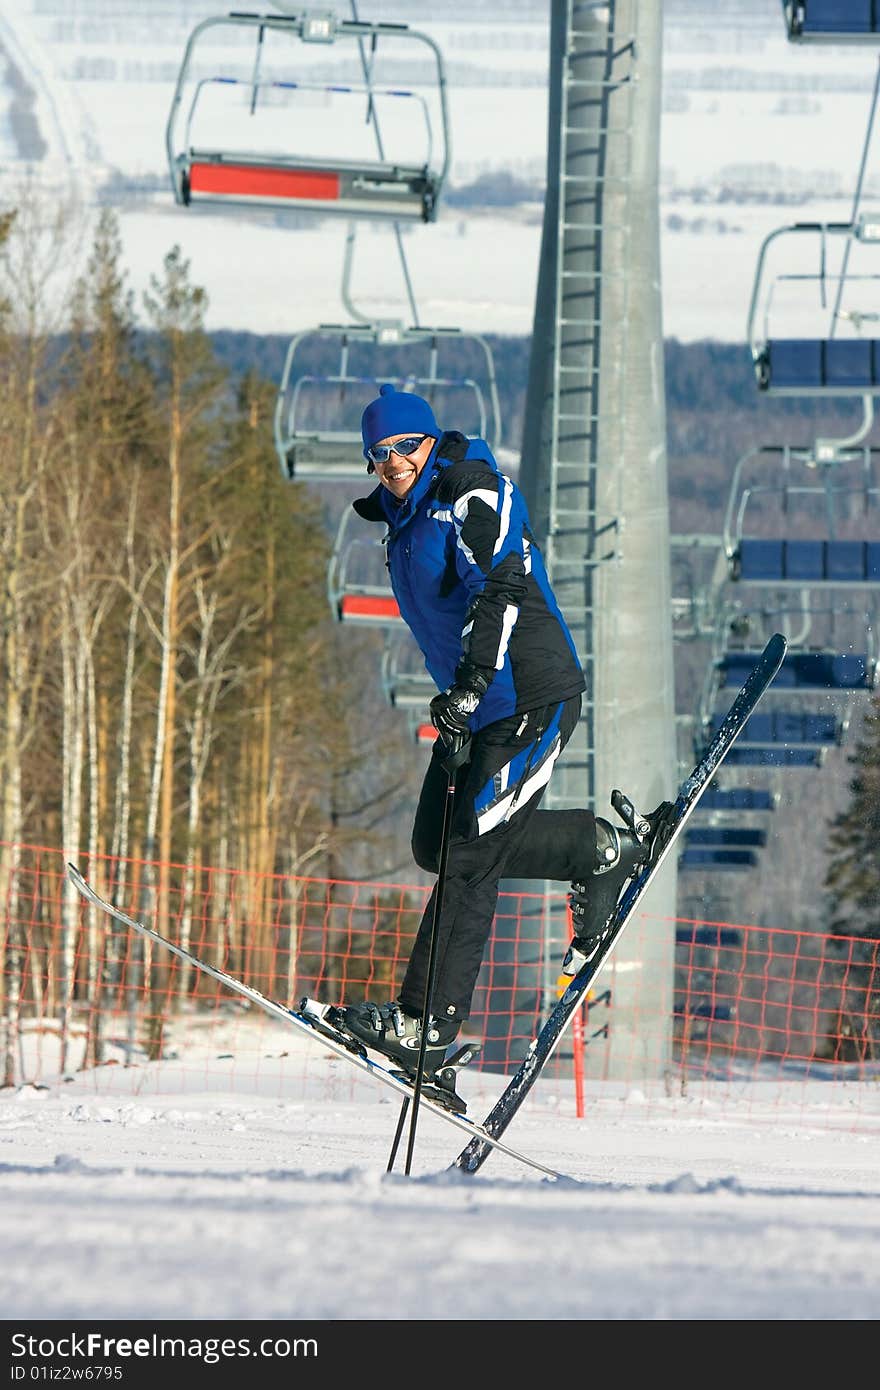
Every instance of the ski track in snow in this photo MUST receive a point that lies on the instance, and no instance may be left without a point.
(212, 1206)
(60, 117)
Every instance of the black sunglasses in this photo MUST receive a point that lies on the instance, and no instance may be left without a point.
(381, 453)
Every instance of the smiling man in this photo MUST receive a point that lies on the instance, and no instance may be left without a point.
(406, 456)
(471, 586)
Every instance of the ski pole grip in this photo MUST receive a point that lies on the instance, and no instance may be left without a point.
(457, 752)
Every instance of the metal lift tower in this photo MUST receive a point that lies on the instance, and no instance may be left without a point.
(593, 470)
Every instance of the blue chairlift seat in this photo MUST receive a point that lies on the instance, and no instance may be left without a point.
(706, 860)
(809, 728)
(759, 729)
(791, 364)
(803, 561)
(706, 1008)
(721, 836)
(845, 561)
(786, 727)
(777, 490)
(705, 935)
(813, 366)
(806, 562)
(804, 670)
(736, 799)
(757, 560)
(775, 757)
(848, 362)
(832, 20)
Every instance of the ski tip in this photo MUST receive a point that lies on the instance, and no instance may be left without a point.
(775, 650)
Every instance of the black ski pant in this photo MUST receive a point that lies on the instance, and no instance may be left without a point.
(497, 832)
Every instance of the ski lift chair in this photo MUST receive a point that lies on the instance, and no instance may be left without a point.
(692, 934)
(771, 754)
(779, 739)
(736, 799)
(817, 363)
(832, 21)
(406, 683)
(786, 727)
(820, 678)
(805, 670)
(698, 575)
(357, 580)
(723, 837)
(205, 169)
(776, 757)
(772, 498)
(712, 1010)
(709, 860)
(832, 644)
(796, 737)
(331, 372)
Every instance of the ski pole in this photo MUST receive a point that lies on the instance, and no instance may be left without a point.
(458, 753)
(397, 1133)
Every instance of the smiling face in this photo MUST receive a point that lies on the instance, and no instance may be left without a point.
(398, 473)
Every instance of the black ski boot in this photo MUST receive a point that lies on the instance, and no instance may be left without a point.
(389, 1029)
(620, 853)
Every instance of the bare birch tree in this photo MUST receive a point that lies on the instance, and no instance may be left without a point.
(35, 242)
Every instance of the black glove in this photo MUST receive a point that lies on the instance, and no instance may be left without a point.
(451, 711)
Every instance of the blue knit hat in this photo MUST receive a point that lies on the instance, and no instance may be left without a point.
(396, 412)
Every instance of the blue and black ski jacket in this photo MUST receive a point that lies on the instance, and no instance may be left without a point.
(470, 582)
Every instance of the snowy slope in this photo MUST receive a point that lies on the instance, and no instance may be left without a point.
(145, 1193)
(745, 115)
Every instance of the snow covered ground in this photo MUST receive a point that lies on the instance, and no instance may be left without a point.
(253, 1186)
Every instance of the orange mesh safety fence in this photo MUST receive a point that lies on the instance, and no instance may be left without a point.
(81, 994)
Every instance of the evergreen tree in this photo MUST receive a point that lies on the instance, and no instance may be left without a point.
(853, 882)
(853, 875)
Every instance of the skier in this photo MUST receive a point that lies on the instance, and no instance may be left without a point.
(472, 588)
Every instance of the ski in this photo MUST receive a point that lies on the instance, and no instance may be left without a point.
(316, 1026)
(542, 1047)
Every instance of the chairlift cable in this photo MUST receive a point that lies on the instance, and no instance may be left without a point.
(255, 76)
(347, 260)
(373, 119)
(857, 198)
